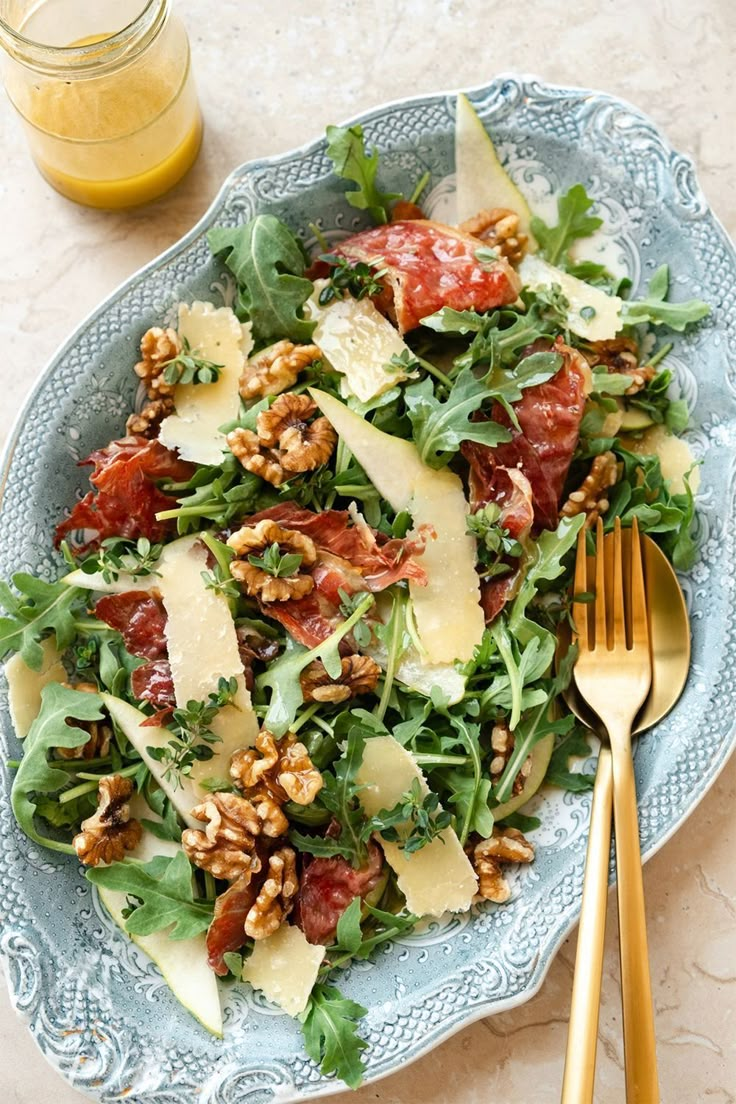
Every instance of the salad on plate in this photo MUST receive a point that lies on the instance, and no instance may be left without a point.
(295, 685)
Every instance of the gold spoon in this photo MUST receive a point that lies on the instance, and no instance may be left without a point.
(670, 645)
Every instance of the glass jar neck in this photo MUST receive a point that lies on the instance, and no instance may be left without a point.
(78, 61)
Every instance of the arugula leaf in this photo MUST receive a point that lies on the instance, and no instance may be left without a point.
(349, 935)
(220, 494)
(549, 551)
(40, 608)
(573, 222)
(533, 727)
(346, 150)
(339, 796)
(655, 310)
(36, 776)
(164, 886)
(506, 385)
(329, 1024)
(168, 828)
(573, 743)
(439, 428)
(282, 676)
(268, 263)
(521, 822)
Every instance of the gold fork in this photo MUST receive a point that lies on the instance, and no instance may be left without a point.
(613, 673)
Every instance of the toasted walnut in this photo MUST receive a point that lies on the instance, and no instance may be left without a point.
(506, 845)
(276, 898)
(253, 540)
(359, 675)
(100, 734)
(282, 769)
(247, 448)
(499, 229)
(227, 846)
(591, 497)
(621, 354)
(276, 369)
(148, 422)
(157, 347)
(302, 446)
(502, 745)
(109, 833)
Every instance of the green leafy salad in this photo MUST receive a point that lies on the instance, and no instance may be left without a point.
(294, 690)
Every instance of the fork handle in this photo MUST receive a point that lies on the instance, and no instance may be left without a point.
(582, 1035)
(640, 1054)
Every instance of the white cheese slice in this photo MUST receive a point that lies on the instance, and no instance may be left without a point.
(25, 685)
(439, 878)
(603, 324)
(447, 611)
(183, 962)
(411, 670)
(675, 456)
(284, 966)
(202, 648)
(359, 343)
(215, 334)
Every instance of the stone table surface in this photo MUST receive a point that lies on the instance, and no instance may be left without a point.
(271, 77)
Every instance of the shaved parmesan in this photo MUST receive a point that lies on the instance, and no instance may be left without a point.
(183, 962)
(215, 334)
(447, 611)
(605, 320)
(25, 685)
(359, 343)
(412, 670)
(284, 966)
(439, 878)
(202, 648)
(675, 456)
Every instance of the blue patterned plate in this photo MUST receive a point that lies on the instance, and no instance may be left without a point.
(97, 1007)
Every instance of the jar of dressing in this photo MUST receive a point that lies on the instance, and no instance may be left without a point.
(106, 94)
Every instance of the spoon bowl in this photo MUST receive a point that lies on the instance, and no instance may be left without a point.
(669, 634)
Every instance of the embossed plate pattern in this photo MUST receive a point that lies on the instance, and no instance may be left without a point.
(98, 1009)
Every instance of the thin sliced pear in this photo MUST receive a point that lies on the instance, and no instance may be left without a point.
(482, 181)
(96, 582)
(183, 962)
(541, 754)
(392, 465)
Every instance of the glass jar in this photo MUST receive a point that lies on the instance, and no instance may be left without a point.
(111, 114)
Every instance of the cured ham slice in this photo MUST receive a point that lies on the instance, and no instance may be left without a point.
(426, 266)
(326, 889)
(227, 930)
(140, 618)
(126, 498)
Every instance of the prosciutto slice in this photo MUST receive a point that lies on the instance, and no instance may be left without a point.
(327, 887)
(227, 930)
(427, 266)
(126, 498)
(139, 617)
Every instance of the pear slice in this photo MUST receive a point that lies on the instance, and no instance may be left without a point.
(183, 962)
(482, 182)
(392, 465)
(541, 754)
(96, 582)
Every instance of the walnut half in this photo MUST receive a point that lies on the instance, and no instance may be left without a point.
(253, 540)
(591, 497)
(227, 846)
(499, 229)
(157, 348)
(110, 832)
(287, 442)
(275, 899)
(276, 369)
(359, 675)
(506, 845)
(282, 769)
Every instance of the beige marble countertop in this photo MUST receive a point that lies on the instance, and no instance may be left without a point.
(271, 77)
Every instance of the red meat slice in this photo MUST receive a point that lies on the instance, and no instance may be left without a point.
(326, 889)
(126, 499)
(227, 930)
(140, 618)
(427, 266)
(153, 682)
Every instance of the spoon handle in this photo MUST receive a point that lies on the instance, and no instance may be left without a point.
(582, 1036)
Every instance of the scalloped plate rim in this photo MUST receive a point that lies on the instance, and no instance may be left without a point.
(441, 1033)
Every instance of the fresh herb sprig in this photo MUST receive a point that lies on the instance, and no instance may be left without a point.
(189, 367)
(274, 562)
(120, 555)
(356, 279)
(413, 822)
(494, 541)
(192, 737)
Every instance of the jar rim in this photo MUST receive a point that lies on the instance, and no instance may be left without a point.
(105, 54)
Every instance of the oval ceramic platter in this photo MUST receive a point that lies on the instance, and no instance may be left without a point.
(98, 1008)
